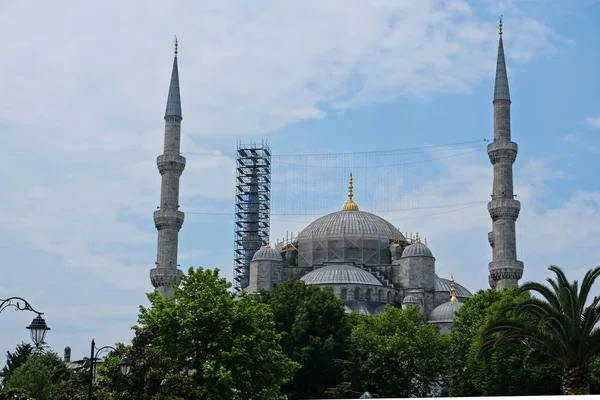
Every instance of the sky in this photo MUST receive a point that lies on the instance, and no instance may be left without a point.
(83, 89)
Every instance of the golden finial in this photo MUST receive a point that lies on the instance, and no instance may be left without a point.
(176, 46)
(417, 240)
(500, 26)
(453, 298)
(267, 245)
(350, 205)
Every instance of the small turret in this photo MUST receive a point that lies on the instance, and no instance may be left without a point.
(416, 268)
(265, 269)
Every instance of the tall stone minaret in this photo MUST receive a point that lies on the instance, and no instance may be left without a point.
(168, 219)
(505, 269)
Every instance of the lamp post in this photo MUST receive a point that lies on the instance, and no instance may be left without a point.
(37, 328)
(125, 364)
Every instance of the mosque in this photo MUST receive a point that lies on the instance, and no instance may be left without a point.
(364, 259)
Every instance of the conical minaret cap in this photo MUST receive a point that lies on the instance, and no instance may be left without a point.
(174, 97)
(501, 91)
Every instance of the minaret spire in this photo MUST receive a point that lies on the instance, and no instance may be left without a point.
(168, 219)
(350, 205)
(505, 270)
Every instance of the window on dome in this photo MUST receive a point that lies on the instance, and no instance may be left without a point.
(344, 294)
(380, 295)
(369, 294)
(357, 294)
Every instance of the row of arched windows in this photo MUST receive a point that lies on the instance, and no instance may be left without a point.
(381, 295)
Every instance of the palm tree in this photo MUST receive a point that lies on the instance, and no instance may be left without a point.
(557, 325)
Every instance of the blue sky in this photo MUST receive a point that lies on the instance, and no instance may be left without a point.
(82, 119)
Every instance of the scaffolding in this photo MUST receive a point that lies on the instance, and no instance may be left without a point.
(252, 207)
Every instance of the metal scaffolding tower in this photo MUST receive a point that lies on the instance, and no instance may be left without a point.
(252, 207)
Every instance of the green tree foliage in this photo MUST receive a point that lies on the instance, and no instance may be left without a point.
(34, 377)
(314, 330)
(393, 354)
(15, 394)
(503, 371)
(17, 358)
(595, 377)
(209, 343)
(564, 329)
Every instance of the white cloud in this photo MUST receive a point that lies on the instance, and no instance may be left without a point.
(85, 86)
(593, 122)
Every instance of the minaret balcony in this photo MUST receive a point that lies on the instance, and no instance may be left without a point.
(506, 269)
(168, 219)
(504, 209)
(170, 163)
(164, 276)
(502, 151)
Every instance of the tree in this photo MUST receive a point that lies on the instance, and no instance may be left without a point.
(17, 358)
(14, 394)
(314, 330)
(502, 372)
(564, 328)
(393, 354)
(208, 342)
(34, 377)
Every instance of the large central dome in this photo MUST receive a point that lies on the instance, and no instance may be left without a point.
(351, 222)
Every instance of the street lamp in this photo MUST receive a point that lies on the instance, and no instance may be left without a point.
(37, 328)
(125, 364)
(165, 385)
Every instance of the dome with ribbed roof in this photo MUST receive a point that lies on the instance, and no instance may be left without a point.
(417, 249)
(340, 274)
(445, 312)
(443, 285)
(410, 299)
(267, 253)
(352, 222)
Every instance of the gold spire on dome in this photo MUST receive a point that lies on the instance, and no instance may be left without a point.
(500, 26)
(267, 245)
(453, 298)
(350, 205)
(417, 240)
(176, 46)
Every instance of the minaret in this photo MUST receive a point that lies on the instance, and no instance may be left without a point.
(505, 269)
(168, 219)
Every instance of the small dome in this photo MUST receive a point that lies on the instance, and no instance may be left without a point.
(340, 274)
(267, 253)
(417, 249)
(445, 312)
(410, 299)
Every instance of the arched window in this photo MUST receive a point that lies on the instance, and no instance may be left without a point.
(369, 294)
(380, 295)
(357, 294)
(389, 297)
(344, 294)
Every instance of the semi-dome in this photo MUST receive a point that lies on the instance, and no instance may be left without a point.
(340, 274)
(267, 253)
(417, 249)
(445, 312)
(351, 221)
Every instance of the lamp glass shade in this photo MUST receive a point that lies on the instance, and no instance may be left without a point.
(125, 365)
(165, 385)
(37, 330)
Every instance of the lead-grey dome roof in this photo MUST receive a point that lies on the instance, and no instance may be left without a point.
(351, 222)
(445, 312)
(410, 299)
(417, 249)
(340, 274)
(267, 253)
(443, 285)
